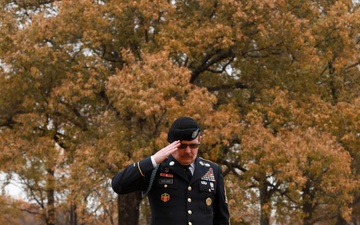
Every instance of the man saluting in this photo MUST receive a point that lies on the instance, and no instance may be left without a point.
(182, 188)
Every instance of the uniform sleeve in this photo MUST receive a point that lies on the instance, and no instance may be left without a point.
(221, 210)
(133, 178)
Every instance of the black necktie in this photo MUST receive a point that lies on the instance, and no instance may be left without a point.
(188, 172)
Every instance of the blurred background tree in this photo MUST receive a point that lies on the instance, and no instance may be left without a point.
(88, 87)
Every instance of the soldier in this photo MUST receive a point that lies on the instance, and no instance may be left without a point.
(183, 189)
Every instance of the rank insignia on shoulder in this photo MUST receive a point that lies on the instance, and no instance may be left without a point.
(165, 197)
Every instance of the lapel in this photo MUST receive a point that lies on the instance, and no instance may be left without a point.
(201, 168)
(176, 167)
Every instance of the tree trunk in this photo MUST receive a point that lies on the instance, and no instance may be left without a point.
(128, 208)
(264, 204)
(340, 221)
(50, 217)
(73, 215)
(355, 217)
(307, 205)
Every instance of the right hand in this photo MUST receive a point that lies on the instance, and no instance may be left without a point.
(162, 154)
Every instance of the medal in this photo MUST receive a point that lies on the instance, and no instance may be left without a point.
(208, 201)
(212, 186)
(209, 176)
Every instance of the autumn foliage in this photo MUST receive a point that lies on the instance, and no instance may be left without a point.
(88, 87)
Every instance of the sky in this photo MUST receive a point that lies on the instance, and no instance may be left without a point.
(13, 189)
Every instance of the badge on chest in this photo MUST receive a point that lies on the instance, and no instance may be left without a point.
(209, 175)
(166, 181)
(166, 178)
(165, 197)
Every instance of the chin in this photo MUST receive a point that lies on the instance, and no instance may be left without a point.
(187, 161)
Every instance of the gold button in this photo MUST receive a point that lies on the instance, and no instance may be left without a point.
(189, 188)
(189, 199)
(165, 185)
(190, 223)
(208, 201)
(189, 212)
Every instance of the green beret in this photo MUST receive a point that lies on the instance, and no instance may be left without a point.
(183, 128)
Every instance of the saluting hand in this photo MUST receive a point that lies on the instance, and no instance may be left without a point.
(162, 154)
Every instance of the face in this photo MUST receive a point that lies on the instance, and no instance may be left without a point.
(185, 156)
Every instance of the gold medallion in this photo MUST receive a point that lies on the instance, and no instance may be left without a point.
(208, 201)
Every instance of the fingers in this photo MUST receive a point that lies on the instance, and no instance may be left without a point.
(161, 155)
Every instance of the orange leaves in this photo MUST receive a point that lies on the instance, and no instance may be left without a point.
(104, 79)
(302, 160)
(151, 87)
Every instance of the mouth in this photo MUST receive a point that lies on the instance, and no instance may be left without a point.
(187, 157)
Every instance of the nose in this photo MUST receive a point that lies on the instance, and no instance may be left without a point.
(188, 149)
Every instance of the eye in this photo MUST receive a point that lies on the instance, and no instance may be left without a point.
(192, 146)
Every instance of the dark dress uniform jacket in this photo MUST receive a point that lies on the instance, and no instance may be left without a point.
(174, 199)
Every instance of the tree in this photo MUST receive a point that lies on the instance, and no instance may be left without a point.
(65, 64)
(15, 212)
(304, 171)
(51, 113)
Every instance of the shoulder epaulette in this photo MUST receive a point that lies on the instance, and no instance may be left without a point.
(207, 160)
